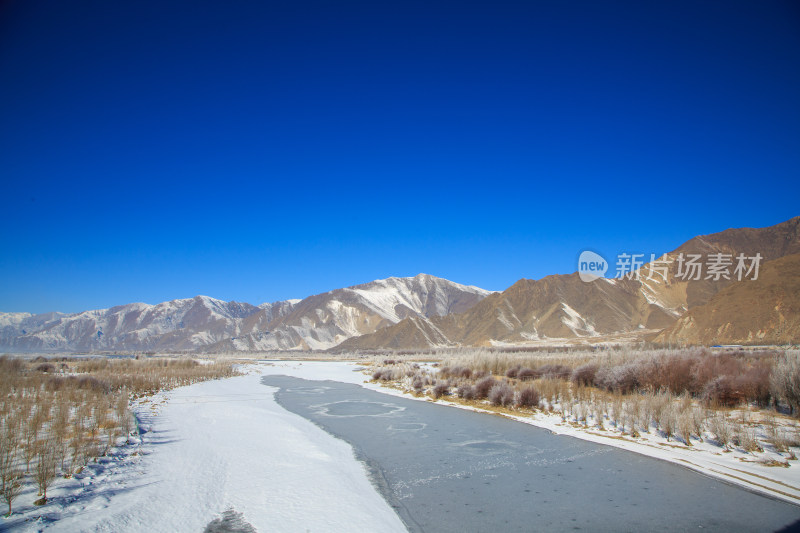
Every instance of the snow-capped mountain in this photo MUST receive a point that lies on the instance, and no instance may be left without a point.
(565, 308)
(13, 325)
(202, 323)
(175, 325)
(426, 311)
(323, 321)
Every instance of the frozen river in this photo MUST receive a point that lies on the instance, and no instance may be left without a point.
(444, 469)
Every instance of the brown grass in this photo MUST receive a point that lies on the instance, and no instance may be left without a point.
(57, 415)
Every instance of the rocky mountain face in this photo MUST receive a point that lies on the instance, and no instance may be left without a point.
(325, 320)
(207, 324)
(175, 325)
(561, 307)
(764, 311)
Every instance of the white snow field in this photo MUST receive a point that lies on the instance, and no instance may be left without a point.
(215, 446)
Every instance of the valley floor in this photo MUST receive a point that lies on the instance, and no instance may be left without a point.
(226, 445)
(209, 448)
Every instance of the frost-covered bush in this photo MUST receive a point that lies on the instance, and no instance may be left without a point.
(457, 371)
(466, 392)
(722, 391)
(528, 397)
(526, 374)
(553, 372)
(440, 389)
(722, 430)
(785, 380)
(745, 438)
(622, 378)
(482, 387)
(585, 374)
(501, 394)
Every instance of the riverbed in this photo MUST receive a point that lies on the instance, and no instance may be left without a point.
(444, 469)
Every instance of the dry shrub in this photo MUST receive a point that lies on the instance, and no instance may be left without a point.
(776, 435)
(466, 392)
(483, 386)
(553, 371)
(528, 397)
(440, 389)
(745, 438)
(755, 382)
(584, 375)
(665, 370)
(722, 430)
(45, 367)
(669, 421)
(785, 380)
(501, 394)
(387, 374)
(685, 424)
(551, 389)
(723, 391)
(622, 379)
(526, 374)
(458, 372)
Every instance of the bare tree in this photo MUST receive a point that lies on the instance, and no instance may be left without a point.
(668, 421)
(78, 441)
(785, 380)
(721, 430)
(58, 430)
(10, 472)
(684, 424)
(46, 467)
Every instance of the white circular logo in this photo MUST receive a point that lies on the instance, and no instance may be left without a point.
(591, 266)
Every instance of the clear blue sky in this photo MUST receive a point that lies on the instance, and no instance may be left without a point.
(258, 151)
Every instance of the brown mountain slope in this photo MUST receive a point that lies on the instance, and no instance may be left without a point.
(555, 307)
(764, 311)
(563, 306)
(771, 242)
(324, 320)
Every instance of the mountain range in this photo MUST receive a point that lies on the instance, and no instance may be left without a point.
(206, 324)
(657, 302)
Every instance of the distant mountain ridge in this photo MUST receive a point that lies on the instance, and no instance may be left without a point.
(424, 311)
(325, 320)
(562, 308)
(207, 324)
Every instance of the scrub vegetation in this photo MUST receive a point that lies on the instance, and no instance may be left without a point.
(743, 399)
(58, 414)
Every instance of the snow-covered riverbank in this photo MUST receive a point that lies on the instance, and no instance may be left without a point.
(208, 448)
(221, 445)
(738, 467)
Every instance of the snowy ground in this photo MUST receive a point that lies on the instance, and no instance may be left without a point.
(212, 447)
(226, 444)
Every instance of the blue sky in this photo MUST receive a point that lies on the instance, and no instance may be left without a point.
(260, 151)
